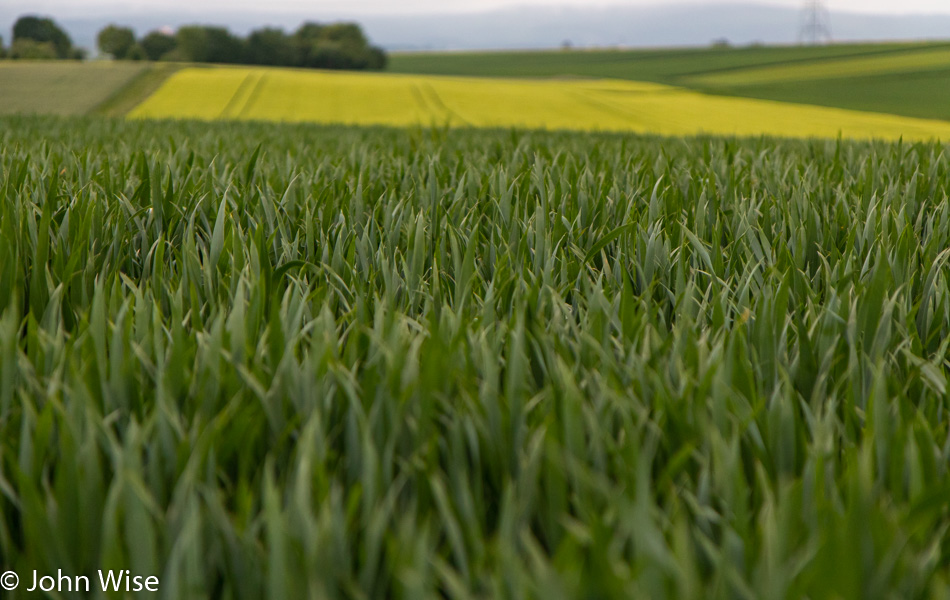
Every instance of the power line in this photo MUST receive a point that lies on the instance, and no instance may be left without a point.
(816, 24)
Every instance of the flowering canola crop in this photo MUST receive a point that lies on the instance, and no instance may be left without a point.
(268, 94)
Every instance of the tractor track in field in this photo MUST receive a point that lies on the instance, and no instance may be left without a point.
(240, 101)
(430, 101)
(254, 95)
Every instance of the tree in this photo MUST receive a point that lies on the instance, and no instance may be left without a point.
(323, 54)
(136, 52)
(25, 48)
(3, 51)
(316, 45)
(271, 46)
(378, 58)
(116, 40)
(336, 46)
(210, 45)
(43, 30)
(308, 32)
(157, 44)
(346, 34)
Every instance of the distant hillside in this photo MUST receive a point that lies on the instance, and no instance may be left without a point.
(62, 87)
(911, 79)
(536, 27)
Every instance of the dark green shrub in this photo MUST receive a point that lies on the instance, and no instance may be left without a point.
(116, 41)
(157, 44)
(136, 52)
(27, 49)
(43, 29)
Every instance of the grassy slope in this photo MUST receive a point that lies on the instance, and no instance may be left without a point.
(135, 90)
(659, 65)
(373, 363)
(919, 88)
(905, 79)
(61, 88)
(374, 99)
(73, 88)
(921, 94)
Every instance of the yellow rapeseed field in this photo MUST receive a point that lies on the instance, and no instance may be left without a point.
(272, 94)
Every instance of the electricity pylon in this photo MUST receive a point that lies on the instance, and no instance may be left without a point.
(816, 27)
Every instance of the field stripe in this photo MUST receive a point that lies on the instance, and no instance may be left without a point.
(253, 96)
(908, 62)
(238, 101)
(438, 105)
(64, 87)
(591, 105)
(862, 54)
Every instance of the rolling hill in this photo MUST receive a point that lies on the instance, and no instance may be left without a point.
(672, 91)
(911, 79)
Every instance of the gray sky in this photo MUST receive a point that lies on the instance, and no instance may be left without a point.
(475, 24)
(69, 8)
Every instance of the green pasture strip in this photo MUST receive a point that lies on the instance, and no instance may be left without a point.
(921, 95)
(61, 87)
(904, 62)
(294, 361)
(659, 65)
(135, 90)
(909, 79)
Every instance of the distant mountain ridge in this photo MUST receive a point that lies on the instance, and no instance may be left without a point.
(537, 27)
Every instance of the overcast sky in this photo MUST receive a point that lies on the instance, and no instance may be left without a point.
(69, 8)
(496, 24)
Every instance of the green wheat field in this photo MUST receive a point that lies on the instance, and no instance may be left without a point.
(307, 361)
(474, 330)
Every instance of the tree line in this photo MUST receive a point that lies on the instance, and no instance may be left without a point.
(312, 45)
(40, 38)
